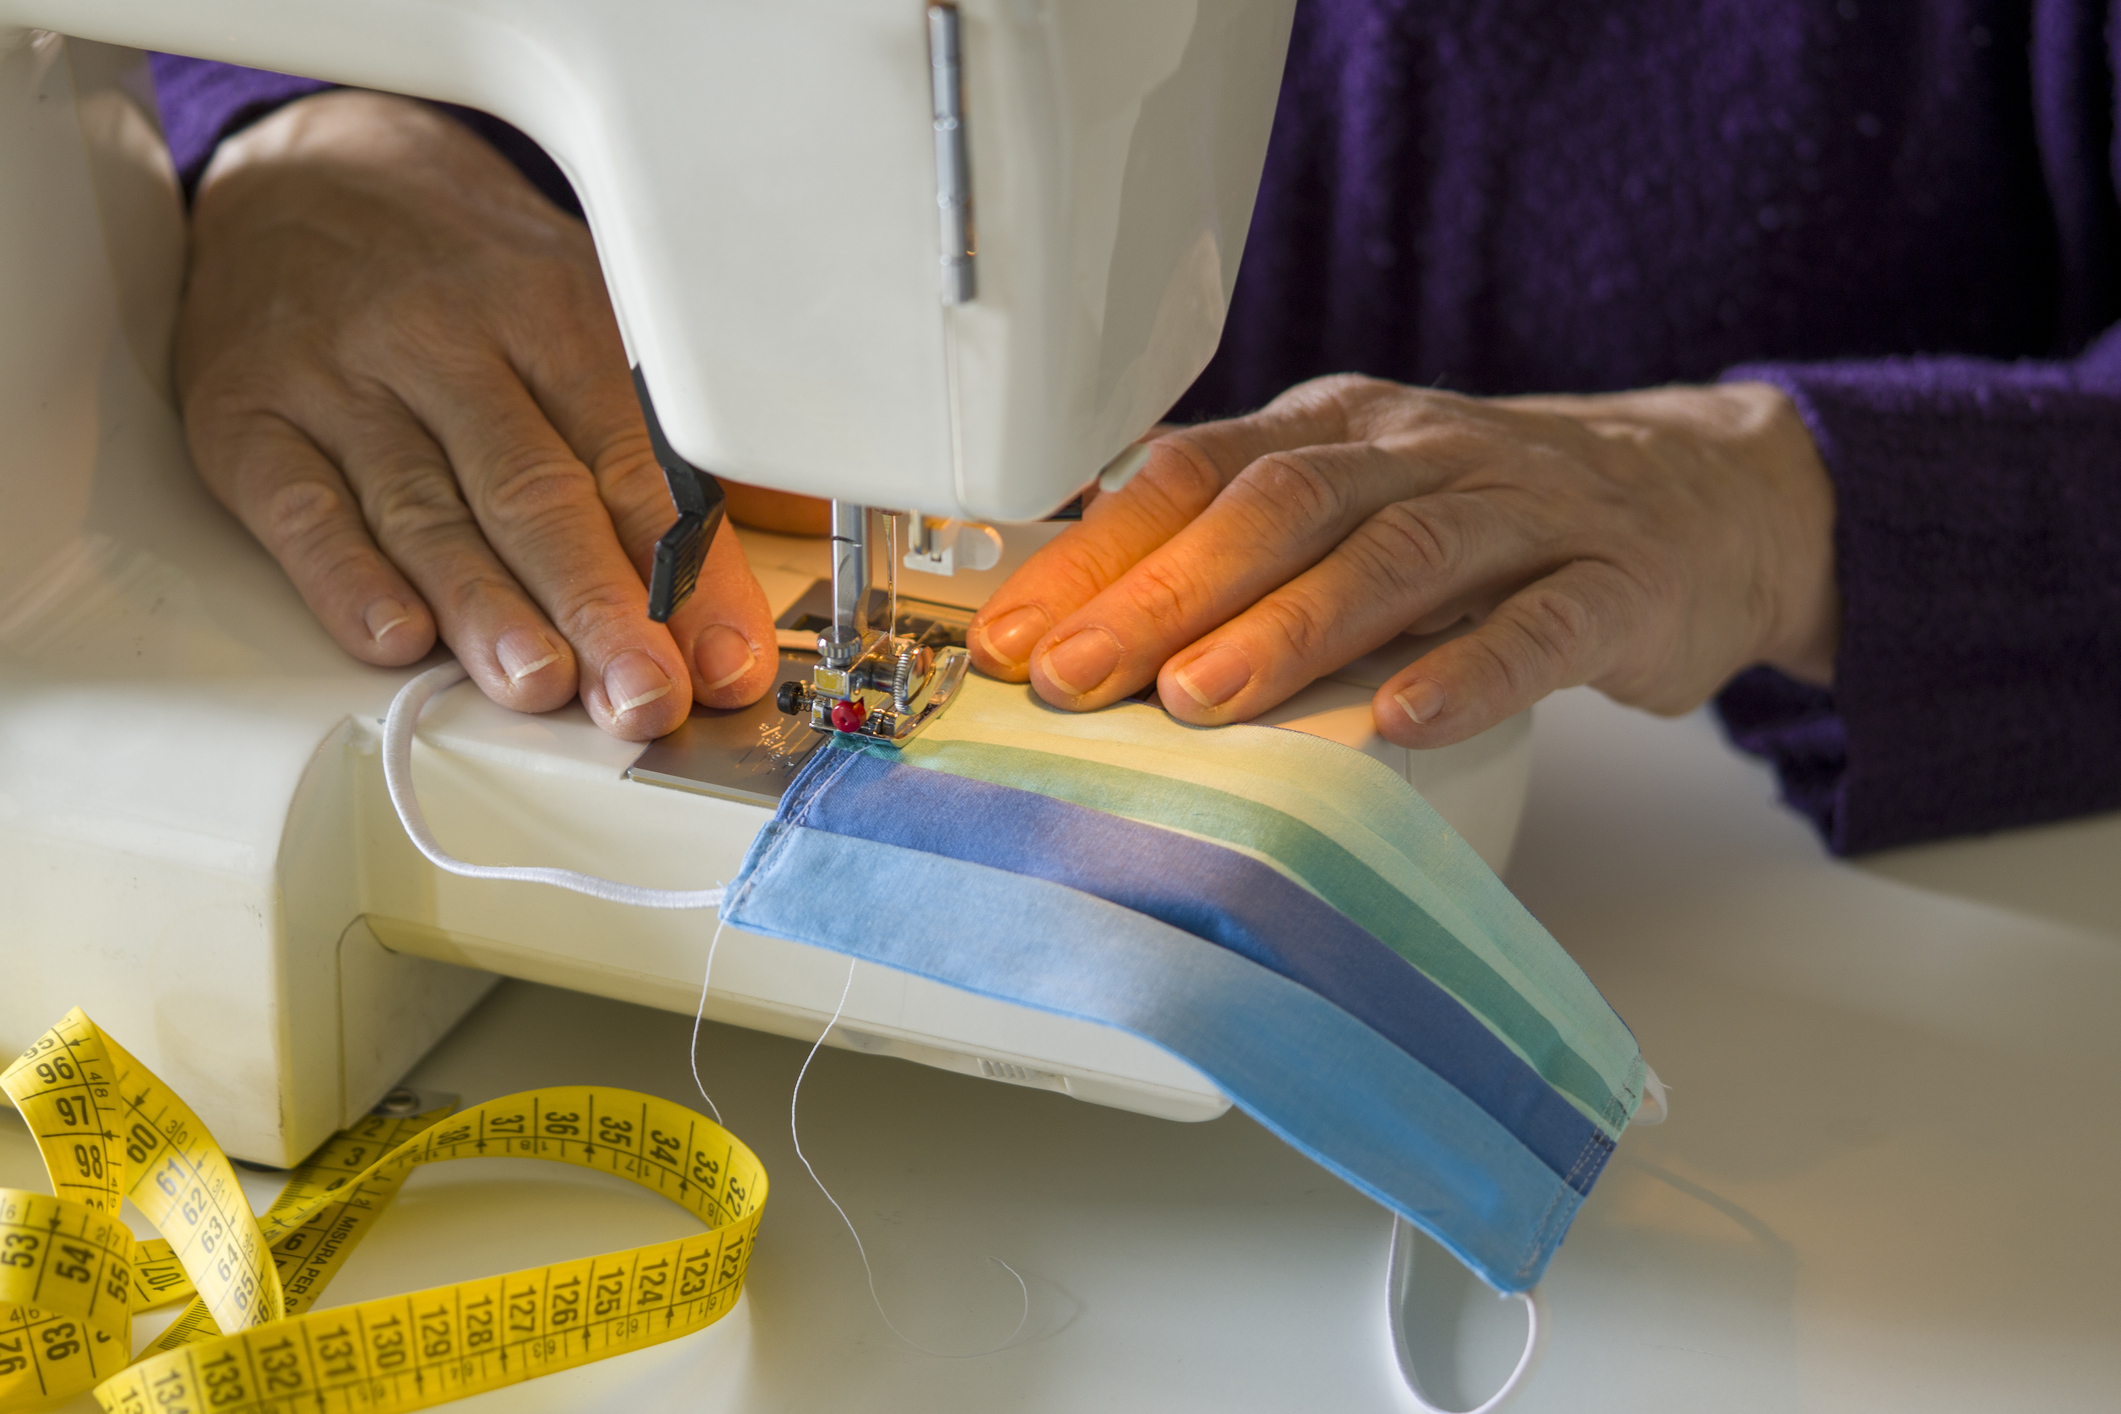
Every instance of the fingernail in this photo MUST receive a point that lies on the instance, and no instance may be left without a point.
(383, 616)
(723, 656)
(1422, 700)
(523, 651)
(1086, 657)
(1215, 676)
(633, 680)
(1008, 639)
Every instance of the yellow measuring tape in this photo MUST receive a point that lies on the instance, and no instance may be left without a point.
(72, 1275)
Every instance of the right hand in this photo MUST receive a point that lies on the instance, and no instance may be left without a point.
(1650, 543)
(400, 369)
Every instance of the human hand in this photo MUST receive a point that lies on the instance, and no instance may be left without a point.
(400, 369)
(1650, 544)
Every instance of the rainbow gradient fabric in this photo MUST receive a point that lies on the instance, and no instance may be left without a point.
(1282, 912)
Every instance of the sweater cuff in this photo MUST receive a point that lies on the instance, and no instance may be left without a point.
(203, 102)
(1977, 544)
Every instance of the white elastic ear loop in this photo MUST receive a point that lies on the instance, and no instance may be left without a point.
(398, 725)
(1399, 1271)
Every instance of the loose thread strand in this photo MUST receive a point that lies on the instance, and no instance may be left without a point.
(700, 1015)
(867, 1269)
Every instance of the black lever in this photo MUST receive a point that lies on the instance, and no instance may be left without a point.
(698, 497)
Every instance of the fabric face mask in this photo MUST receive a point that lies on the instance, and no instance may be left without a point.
(1282, 912)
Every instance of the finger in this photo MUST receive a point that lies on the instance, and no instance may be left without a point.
(1116, 531)
(1187, 469)
(410, 496)
(1282, 515)
(724, 631)
(291, 497)
(541, 510)
(1412, 564)
(1566, 629)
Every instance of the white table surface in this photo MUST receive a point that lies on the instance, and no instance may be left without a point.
(1888, 1183)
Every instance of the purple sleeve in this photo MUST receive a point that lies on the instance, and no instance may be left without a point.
(203, 102)
(1978, 547)
(1977, 539)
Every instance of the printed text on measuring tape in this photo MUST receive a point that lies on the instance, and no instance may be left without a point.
(72, 1274)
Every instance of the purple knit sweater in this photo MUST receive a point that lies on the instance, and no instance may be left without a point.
(1904, 214)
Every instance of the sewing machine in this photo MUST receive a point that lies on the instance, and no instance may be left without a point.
(195, 845)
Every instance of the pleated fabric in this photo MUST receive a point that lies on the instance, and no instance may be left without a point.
(1284, 913)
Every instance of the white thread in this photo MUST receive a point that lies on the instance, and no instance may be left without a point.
(870, 1271)
(891, 575)
(1399, 1271)
(697, 1017)
(398, 727)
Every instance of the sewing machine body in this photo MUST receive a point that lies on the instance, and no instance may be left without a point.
(763, 182)
(195, 845)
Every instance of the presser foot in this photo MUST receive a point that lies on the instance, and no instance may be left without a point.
(893, 690)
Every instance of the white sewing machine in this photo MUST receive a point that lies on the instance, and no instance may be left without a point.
(195, 845)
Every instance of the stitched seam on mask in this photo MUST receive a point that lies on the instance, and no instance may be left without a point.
(1539, 1235)
(733, 901)
(799, 816)
(1539, 1230)
(1630, 1096)
(806, 791)
(1591, 1165)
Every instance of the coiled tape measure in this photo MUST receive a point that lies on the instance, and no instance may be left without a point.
(72, 1274)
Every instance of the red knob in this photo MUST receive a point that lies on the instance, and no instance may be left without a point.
(849, 716)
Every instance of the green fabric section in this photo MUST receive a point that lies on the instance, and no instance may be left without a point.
(1503, 940)
(1359, 803)
(1322, 863)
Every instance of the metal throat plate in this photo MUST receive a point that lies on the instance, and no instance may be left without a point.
(750, 754)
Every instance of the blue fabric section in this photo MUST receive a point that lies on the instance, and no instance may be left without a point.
(1324, 1082)
(1214, 893)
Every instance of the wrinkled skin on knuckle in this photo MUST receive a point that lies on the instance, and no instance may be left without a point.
(533, 493)
(1178, 484)
(1283, 490)
(624, 462)
(1403, 548)
(1551, 627)
(633, 486)
(413, 505)
(1302, 627)
(478, 593)
(296, 514)
(1500, 668)
(1080, 562)
(1164, 591)
(589, 612)
(339, 562)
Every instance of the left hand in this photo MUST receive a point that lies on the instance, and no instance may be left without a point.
(400, 369)
(1649, 543)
